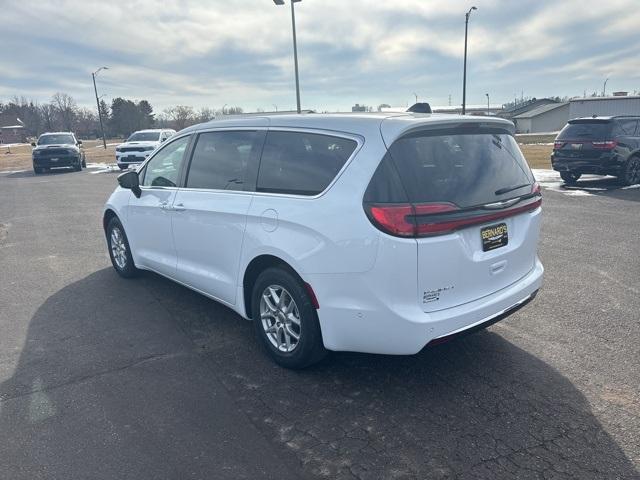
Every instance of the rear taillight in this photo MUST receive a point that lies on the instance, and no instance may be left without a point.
(394, 219)
(400, 220)
(558, 145)
(422, 220)
(607, 145)
(535, 188)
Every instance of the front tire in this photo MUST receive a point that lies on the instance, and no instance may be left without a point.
(78, 166)
(37, 170)
(570, 178)
(119, 250)
(285, 320)
(631, 173)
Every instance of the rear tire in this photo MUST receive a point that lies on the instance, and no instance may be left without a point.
(631, 172)
(84, 162)
(276, 323)
(570, 178)
(119, 250)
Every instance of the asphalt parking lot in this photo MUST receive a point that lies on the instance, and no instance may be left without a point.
(106, 378)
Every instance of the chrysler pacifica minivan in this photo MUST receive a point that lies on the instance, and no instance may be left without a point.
(376, 233)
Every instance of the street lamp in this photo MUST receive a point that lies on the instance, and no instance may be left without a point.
(295, 46)
(488, 107)
(464, 75)
(93, 76)
(416, 95)
(604, 88)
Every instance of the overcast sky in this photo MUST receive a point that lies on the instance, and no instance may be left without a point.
(239, 52)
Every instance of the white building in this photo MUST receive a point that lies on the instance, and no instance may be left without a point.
(604, 106)
(543, 119)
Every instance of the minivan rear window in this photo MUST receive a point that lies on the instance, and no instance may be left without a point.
(466, 168)
(595, 130)
(301, 163)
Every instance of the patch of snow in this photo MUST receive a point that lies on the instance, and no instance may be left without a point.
(108, 145)
(9, 145)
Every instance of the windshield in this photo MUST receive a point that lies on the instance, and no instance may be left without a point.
(56, 139)
(466, 169)
(585, 130)
(144, 137)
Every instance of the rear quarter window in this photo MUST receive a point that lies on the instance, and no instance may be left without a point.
(300, 163)
(626, 128)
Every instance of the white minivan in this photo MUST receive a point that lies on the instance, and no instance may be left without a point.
(376, 233)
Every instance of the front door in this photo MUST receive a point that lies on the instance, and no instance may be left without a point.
(149, 217)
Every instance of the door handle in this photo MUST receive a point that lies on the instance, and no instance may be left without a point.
(179, 207)
(164, 205)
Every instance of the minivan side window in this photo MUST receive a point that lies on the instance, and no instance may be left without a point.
(221, 159)
(300, 163)
(163, 170)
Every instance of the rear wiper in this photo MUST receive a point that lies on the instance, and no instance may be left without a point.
(510, 189)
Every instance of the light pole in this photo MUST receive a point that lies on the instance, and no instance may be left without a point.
(295, 46)
(488, 107)
(604, 88)
(416, 95)
(276, 107)
(93, 76)
(464, 75)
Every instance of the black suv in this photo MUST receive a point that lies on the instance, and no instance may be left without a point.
(600, 145)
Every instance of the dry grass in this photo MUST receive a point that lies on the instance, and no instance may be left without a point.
(531, 139)
(20, 157)
(538, 156)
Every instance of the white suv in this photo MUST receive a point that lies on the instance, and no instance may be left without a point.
(140, 145)
(368, 233)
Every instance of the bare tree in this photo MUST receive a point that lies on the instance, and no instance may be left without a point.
(180, 115)
(205, 114)
(66, 109)
(47, 112)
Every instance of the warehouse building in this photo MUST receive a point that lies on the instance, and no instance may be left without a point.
(545, 118)
(604, 106)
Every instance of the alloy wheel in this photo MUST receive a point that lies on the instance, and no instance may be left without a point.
(633, 171)
(118, 248)
(280, 318)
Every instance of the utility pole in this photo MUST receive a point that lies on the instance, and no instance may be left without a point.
(464, 75)
(604, 88)
(295, 46)
(93, 76)
(488, 107)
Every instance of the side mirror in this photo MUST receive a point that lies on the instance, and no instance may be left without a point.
(79, 142)
(33, 144)
(130, 181)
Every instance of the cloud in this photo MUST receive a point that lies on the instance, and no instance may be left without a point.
(238, 52)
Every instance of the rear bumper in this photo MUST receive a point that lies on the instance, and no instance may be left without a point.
(353, 318)
(603, 165)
